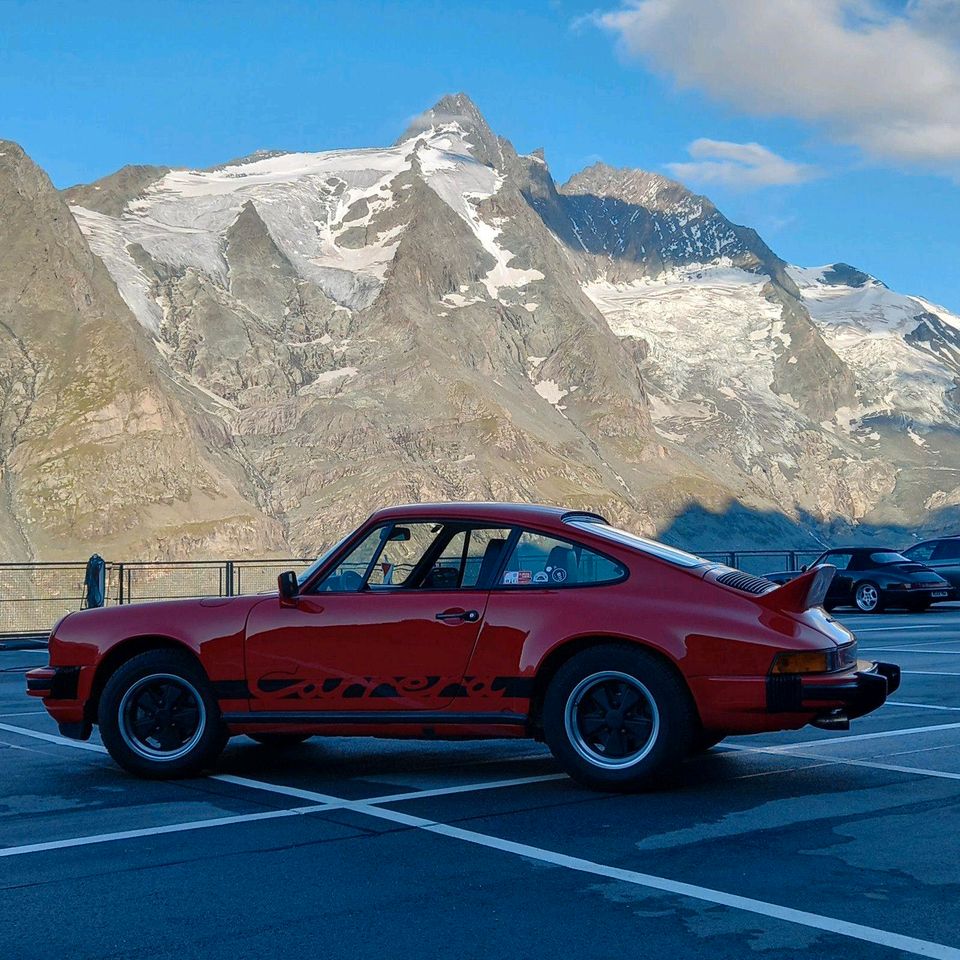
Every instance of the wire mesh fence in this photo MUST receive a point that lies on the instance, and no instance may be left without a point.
(34, 596)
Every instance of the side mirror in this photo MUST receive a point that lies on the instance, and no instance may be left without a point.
(289, 588)
(803, 569)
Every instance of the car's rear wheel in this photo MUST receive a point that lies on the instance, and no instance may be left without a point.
(279, 740)
(616, 717)
(159, 718)
(868, 597)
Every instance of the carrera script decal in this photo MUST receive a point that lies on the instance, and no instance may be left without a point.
(276, 687)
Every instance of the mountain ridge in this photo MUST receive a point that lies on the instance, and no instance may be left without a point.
(438, 319)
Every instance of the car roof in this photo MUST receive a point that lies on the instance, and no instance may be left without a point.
(862, 550)
(508, 513)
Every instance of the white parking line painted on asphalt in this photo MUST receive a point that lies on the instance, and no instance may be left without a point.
(920, 706)
(24, 713)
(949, 653)
(846, 761)
(53, 738)
(295, 791)
(880, 735)
(886, 938)
(930, 673)
(156, 831)
(466, 788)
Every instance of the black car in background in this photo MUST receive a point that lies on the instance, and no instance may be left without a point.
(872, 578)
(941, 555)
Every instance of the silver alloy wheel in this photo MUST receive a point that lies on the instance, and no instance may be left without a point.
(867, 597)
(611, 719)
(161, 717)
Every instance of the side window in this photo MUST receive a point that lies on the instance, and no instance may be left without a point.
(541, 561)
(385, 558)
(467, 555)
(350, 573)
(403, 550)
(840, 560)
(948, 550)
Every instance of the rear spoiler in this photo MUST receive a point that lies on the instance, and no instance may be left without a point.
(808, 590)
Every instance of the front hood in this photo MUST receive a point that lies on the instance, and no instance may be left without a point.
(193, 621)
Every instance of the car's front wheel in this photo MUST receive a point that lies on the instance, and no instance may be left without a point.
(868, 597)
(616, 717)
(159, 718)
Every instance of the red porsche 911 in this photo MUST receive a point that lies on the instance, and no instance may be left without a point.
(464, 620)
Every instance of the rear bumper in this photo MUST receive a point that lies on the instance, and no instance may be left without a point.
(840, 699)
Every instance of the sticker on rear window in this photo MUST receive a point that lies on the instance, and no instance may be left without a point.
(518, 576)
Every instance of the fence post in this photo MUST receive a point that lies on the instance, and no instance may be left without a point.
(229, 578)
(120, 579)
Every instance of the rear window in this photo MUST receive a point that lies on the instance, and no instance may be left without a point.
(661, 551)
(538, 560)
(888, 556)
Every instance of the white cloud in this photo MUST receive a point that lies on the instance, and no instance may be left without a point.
(889, 84)
(741, 165)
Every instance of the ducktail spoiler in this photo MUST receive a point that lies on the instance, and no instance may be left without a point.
(808, 590)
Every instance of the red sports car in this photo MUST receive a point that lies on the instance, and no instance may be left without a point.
(469, 620)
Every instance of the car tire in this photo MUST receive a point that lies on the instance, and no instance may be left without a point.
(170, 688)
(655, 731)
(279, 741)
(868, 597)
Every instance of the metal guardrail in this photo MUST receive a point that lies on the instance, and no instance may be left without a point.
(34, 596)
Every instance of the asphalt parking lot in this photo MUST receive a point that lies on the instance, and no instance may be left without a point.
(805, 844)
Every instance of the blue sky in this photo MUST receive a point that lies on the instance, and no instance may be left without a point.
(88, 87)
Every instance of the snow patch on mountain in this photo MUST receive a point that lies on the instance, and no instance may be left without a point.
(875, 331)
(462, 182)
(703, 323)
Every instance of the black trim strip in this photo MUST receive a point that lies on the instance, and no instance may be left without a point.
(419, 717)
(231, 690)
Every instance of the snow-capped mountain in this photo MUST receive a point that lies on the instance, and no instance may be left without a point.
(327, 332)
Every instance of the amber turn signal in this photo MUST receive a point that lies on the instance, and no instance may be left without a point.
(806, 661)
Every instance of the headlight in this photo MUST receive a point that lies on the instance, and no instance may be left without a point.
(815, 661)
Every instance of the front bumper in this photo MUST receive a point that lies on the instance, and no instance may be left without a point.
(836, 700)
(53, 683)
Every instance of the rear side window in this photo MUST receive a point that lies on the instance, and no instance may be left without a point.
(883, 557)
(948, 550)
(541, 561)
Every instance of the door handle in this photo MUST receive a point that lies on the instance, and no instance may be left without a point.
(469, 616)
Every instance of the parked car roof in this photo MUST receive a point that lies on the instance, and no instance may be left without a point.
(519, 513)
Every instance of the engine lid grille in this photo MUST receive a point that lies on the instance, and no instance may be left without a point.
(745, 582)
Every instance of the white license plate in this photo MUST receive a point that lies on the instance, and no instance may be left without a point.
(938, 593)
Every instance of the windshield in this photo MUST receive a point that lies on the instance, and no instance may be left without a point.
(321, 560)
(660, 550)
(888, 556)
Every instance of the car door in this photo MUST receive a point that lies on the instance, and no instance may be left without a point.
(946, 561)
(389, 629)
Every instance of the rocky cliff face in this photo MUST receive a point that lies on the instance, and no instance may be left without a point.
(250, 358)
(98, 446)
